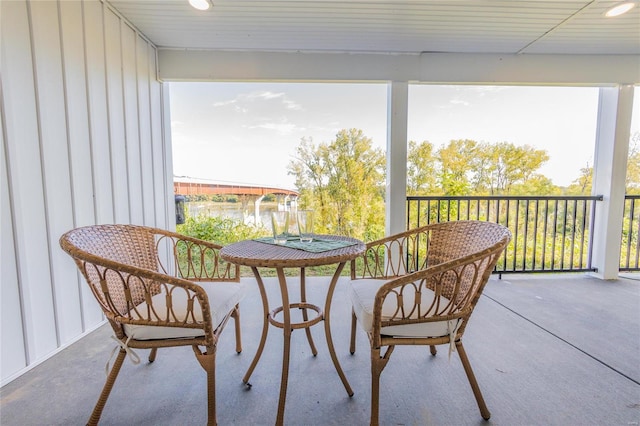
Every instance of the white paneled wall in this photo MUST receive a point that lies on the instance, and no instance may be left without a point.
(82, 143)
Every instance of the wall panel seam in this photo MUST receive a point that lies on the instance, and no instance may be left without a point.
(89, 123)
(45, 194)
(90, 136)
(73, 206)
(123, 89)
(14, 236)
(108, 109)
(140, 157)
(124, 19)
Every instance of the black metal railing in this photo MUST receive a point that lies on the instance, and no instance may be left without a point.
(630, 247)
(550, 234)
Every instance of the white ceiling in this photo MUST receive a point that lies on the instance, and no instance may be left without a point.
(480, 26)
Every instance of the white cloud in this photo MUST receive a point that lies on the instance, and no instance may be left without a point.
(225, 103)
(282, 128)
(459, 102)
(289, 104)
(243, 99)
(266, 95)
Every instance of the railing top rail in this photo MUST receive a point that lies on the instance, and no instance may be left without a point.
(504, 197)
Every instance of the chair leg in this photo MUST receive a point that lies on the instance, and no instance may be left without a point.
(152, 354)
(375, 386)
(106, 390)
(208, 361)
(352, 346)
(433, 349)
(377, 365)
(236, 321)
(484, 411)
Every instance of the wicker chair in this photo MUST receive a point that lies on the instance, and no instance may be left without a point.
(419, 287)
(156, 290)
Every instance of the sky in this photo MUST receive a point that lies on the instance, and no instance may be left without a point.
(248, 132)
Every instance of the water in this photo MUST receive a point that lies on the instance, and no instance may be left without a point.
(233, 211)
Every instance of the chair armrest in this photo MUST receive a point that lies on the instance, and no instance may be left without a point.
(125, 287)
(434, 279)
(456, 285)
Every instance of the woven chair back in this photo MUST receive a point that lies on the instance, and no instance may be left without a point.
(100, 252)
(452, 259)
(456, 240)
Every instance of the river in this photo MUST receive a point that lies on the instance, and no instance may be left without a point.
(231, 211)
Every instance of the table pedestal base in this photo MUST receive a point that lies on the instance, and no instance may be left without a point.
(287, 326)
(303, 324)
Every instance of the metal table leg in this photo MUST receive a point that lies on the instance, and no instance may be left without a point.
(305, 317)
(287, 345)
(327, 329)
(265, 327)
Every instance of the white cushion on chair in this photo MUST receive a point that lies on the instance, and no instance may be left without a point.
(363, 295)
(223, 297)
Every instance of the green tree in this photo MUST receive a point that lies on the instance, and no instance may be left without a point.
(502, 166)
(536, 184)
(421, 169)
(468, 167)
(218, 229)
(457, 160)
(343, 181)
(582, 184)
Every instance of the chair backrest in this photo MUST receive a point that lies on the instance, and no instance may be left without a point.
(429, 245)
(101, 248)
(126, 265)
(452, 259)
(128, 244)
(456, 241)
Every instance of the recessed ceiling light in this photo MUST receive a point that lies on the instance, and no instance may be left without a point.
(619, 9)
(200, 4)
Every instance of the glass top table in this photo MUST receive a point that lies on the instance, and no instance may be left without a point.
(260, 254)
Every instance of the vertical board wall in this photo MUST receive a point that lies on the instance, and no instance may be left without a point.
(82, 143)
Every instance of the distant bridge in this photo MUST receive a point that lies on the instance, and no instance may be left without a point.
(206, 188)
(247, 193)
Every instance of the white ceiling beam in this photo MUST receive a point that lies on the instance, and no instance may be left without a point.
(447, 68)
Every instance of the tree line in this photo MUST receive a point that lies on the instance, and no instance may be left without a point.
(344, 179)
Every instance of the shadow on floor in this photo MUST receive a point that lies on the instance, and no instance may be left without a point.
(546, 350)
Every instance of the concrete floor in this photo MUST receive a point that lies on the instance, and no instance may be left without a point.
(546, 350)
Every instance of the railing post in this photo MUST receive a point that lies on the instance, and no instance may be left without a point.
(609, 172)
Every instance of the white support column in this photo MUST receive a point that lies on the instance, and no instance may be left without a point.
(256, 210)
(396, 190)
(609, 172)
